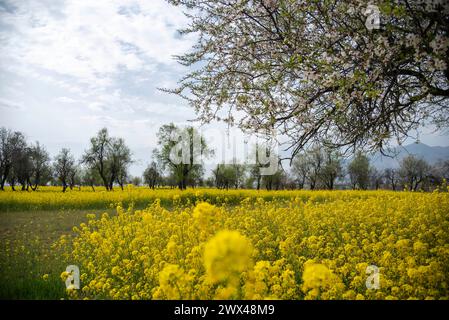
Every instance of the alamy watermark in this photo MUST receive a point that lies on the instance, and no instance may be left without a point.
(373, 16)
(373, 279)
(372, 21)
(73, 278)
(230, 147)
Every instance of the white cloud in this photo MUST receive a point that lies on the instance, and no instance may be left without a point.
(65, 100)
(92, 41)
(68, 68)
(9, 104)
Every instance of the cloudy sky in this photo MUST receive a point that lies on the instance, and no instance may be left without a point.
(69, 68)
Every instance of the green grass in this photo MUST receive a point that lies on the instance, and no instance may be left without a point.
(26, 252)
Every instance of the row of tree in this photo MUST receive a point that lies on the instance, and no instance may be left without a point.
(107, 159)
(321, 168)
(325, 169)
(105, 162)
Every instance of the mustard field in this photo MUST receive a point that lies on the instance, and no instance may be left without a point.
(51, 198)
(217, 244)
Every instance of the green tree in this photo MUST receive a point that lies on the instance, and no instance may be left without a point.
(110, 156)
(21, 166)
(359, 171)
(300, 169)
(90, 177)
(275, 181)
(136, 181)
(332, 168)
(391, 177)
(40, 165)
(181, 151)
(152, 175)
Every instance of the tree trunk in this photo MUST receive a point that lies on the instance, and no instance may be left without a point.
(111, 184)
(5, 176)
(105, 181)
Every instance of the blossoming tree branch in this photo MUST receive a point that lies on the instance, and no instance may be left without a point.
(314, 71)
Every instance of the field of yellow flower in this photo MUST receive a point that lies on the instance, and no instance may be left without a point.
(245, 244)
(51, 198)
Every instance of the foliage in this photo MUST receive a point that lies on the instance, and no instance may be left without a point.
(64, 168)
(359, 171)
(110, 157)
(181, 151)
(413, 171)
(314, 71)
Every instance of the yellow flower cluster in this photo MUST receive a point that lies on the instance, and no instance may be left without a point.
(51, 198)
(314, 247)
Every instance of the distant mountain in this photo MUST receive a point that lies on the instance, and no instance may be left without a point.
(420, 150)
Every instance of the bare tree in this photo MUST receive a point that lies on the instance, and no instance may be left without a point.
(392, 177)
(275, 181)
(20, 169)
(376, 177)
(90, 177)
(120, 159)
(152, 175)
(136, 181)
(441, 171)
(97, 155)
(110, 157)
(255, 175)
(316, 162)
(300, 169)
(74, 177)
(40, 165)
(413, 171)
(14, 156)
(5, 155)
(332, 168)
(64, 167)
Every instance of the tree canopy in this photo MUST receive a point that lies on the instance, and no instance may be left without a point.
(182, 151)
(314, 71)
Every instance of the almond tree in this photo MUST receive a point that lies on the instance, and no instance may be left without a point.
(392, 177)
(413, 171)
(64, 167)
(319, 70)
(110, 157)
